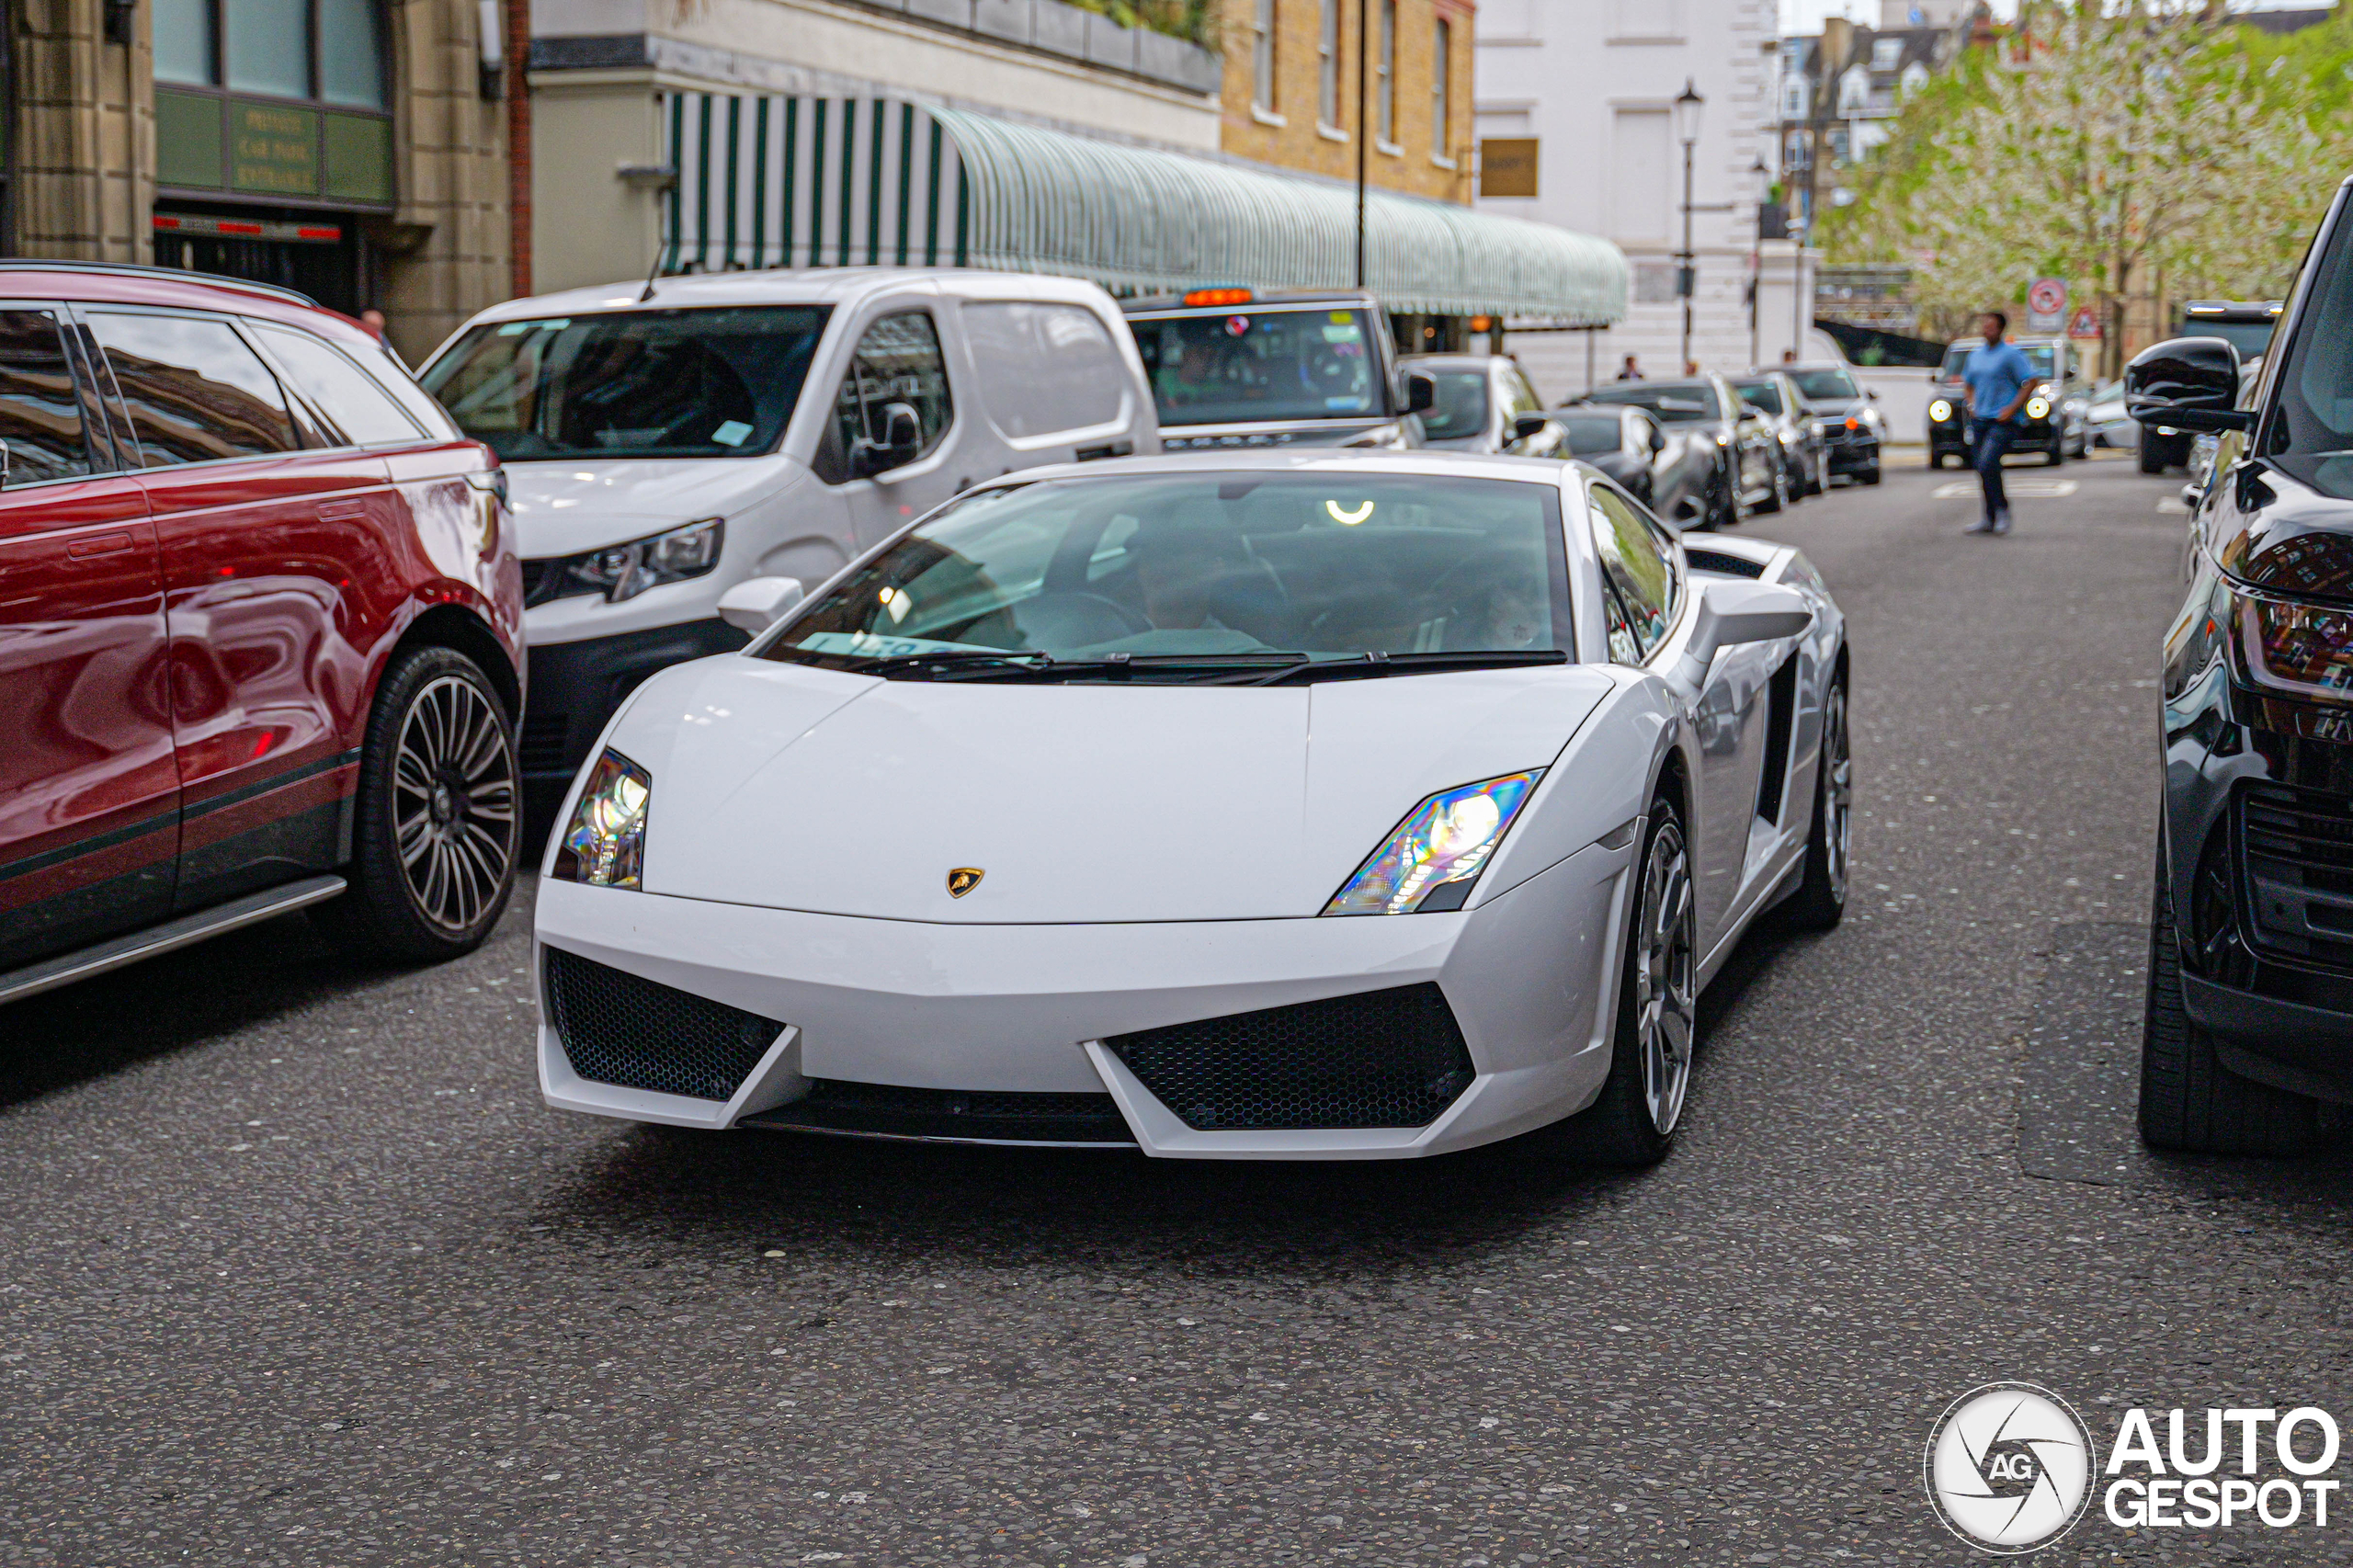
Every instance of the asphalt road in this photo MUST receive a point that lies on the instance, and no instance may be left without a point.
(297, 1271)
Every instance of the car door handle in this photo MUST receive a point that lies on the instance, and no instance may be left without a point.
(100, 544)
(335, 511)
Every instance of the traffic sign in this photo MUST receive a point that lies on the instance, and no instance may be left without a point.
(2046, 304)
(2085, 324)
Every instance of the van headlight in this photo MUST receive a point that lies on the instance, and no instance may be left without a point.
(1939, 411)
(2038, 408)
(624, 570)
(604, 843)
(1430, 861)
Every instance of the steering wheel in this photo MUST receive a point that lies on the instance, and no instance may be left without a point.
(1075, 620)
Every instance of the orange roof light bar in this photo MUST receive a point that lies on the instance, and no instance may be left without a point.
(1227, 296)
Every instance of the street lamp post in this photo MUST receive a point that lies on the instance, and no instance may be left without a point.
(1687, 130)
(1797, 287)
(1756, 264)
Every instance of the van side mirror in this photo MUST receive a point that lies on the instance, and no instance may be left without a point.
(1421, 391)
(2187, 383)
(902, 437)
(1736, 612)
(1523, 426)
(758, 603)
(1658, 439)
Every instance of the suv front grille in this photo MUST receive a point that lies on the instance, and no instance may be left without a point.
(1391, 1058)
(636, 1033)
(891, 1110)
(2298, 847)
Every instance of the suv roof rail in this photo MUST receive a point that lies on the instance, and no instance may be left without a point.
(180, 274)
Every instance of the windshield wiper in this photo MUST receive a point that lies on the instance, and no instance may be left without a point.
(953, 658)
(1371, 664)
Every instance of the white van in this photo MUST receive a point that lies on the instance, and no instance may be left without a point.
(756, 425)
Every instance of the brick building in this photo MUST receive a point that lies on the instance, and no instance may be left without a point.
(352, 149)
(1290, 90)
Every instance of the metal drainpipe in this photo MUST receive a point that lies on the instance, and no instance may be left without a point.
(519, 147)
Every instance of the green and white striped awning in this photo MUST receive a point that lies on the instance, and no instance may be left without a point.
(805, 181)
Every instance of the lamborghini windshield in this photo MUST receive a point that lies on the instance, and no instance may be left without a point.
(1205, 576)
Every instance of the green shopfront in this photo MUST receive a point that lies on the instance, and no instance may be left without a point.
(274, 143)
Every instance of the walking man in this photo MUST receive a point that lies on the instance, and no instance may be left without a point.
(1999, 376)
(1632, 371)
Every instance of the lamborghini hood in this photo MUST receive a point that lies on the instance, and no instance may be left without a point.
(796, 788)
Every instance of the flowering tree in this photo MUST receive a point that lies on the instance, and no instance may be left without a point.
(2140, 149)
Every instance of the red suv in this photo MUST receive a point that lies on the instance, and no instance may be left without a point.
(261, 625)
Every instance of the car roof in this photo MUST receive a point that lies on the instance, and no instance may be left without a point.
(1363, 297)
(123, 284)
(1322, 459)
(780, 286)
(1467, 361)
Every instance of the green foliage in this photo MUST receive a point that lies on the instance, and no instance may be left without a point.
(1195, 21)
(2136, 148)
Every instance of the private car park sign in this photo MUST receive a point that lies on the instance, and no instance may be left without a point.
(2046, 305)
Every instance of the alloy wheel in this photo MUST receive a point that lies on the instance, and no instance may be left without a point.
(453, 802)
(1838, 793)
(1665, 998)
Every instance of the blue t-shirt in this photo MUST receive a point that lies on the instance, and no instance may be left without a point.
(1995, 374)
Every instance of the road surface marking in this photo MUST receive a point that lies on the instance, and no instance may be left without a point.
(2028, 489)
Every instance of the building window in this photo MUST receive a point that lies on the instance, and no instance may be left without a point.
(1327, 66)
(1385, 68)
(323, 51)
(1262, 55)
(1441, 73)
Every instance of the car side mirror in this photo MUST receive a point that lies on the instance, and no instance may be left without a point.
(2187, 383)
(1658, 441)
(1731, 613)
(1421, 391)
(902, 437)
(1523, 426)
(758, 603)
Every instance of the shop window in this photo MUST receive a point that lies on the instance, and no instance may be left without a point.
(326, 50)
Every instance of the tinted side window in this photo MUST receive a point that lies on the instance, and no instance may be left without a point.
(1633, 567)
(1523, 398)
(362, 411)
(1045, 367)
(897, 360)
(40, 409)
(196, 392)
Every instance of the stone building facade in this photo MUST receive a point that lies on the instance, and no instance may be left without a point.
(352, 149)
(1289, 98)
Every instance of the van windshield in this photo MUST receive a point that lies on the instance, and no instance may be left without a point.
(1246, 366)
(679, 383)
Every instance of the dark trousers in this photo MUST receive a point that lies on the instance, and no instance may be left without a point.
(1988, 443)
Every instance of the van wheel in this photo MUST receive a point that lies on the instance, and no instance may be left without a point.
(1633, 1120)
(434, 823)
(2188, 1100)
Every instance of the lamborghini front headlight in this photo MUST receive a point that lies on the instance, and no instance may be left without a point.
(1429, 862)
(604, 843)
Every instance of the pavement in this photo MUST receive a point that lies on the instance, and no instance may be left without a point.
(296, 1269)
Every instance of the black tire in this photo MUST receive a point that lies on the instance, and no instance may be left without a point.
(438, 764)
(2153, 458)
(1820, 902)
(2190, 1101)
(1870, 475)
(1620, 1128)
(2057, 454)
(1935, 460)
(1778, 500)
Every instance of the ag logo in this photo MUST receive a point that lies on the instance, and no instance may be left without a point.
(963, 880)
(2009, 1468)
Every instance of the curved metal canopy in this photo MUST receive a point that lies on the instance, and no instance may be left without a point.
(813, 182)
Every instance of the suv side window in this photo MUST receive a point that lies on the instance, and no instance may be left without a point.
(897, 360)
(196, 392)
(362, 412)
(40, 408)
(1637, 573)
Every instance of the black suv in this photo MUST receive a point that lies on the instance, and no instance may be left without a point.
(2250, 1007)
(2247, 326)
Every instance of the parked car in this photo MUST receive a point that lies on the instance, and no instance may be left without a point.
(1481, 402)
(263, 629)
(1555, 767)
(2247, 326)
(661, 449)
(1847, 416)
(2250, 990)
(1747, 458)
(1231, 367)
(2110, 425)
(2055, 420)
(1670, 475)
(1804, 459)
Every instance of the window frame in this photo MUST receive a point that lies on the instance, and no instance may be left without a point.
(97, 425)
(833, 466)
(1441, 87)
(1265, 88)
(1384, 77)
(216, 30)
(308, 433)
(256, 332)
(1328, 66)
(1670, 551)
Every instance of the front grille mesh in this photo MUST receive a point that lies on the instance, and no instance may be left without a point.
(2299, 847)
(1393, 1058)
(621, 1029)
(995, 1116)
